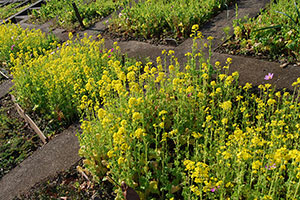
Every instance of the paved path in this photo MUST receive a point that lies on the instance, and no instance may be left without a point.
(5, 87)
(56, 156)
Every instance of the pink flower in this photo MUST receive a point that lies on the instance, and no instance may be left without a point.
(109, 56)
(190, 94)
(269, 76)
(112, 49)
(214, 188)
(270, 167)
(12, 47)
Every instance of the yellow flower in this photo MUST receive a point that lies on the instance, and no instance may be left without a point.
(195, 190)
(171, 52)
(122, 76)
(218, 90)
(222, 76)
(173, 132)
(271, 102)
(171, 68)
(195, 27)
(209, 118)
(213, 83)
(110, 153)
(267, 197)
(70, 35)
(190, 89)
(200, 95)
(101, 113)
(205, 76)
(162, 112)
(256, 165)
(132, 102)
(162, 125)
(235, 74)
(121, 160)
(196, 135)
(224, 121)
(226, 155)
(247, 86)
(189, 165)
(226, 105)
(228, 80)
(139, 132)
(229, 60)
(244, 155)
(123, 123)
(153, 70)
(160, 77)
(239, 97)
(131, 76)
(136, 116)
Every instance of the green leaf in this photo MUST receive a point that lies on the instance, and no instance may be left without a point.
(268, 27)
(287, 16)
(297, 10)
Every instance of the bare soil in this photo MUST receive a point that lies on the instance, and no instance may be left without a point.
(69, 184)
(17, 140)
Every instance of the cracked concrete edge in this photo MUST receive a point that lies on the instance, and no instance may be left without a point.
(5, 88)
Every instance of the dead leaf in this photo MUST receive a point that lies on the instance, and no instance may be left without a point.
(83, 186)
(284, 65)
(128, 192)
(175, 189)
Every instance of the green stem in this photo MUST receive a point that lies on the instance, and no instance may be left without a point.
(289, 188)
(297, 189)
(272, 184)
(241, 170)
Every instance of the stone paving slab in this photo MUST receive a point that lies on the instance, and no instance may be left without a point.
(5, 87)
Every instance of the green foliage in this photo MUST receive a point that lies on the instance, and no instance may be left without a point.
(15, 40)
(275, 32)
(55, 84)
(10, 10)
(193, 133)
(159, 18)
(63, 13)
(16, 141)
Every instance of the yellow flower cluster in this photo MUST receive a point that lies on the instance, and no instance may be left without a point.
(15, 40)
(217, 138)
(193, 127)
(66, 79)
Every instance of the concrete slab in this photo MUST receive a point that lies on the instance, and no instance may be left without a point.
(5, 87)
(56, 156)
